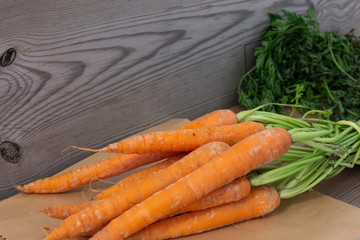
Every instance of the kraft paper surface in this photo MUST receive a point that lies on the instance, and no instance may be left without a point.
(311, 215)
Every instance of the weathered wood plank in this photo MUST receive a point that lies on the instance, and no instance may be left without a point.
(90, 73)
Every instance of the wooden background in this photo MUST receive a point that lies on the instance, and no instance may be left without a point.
(89, 73)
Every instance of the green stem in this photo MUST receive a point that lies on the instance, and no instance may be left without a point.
(301, 148)
(344, 135)
(241, 116)
(326, 87)
(320, 112)
(296, 154)
(265, 119)
(267, 167)
(356, 145)
(294, 121)
(308, 184)
(259, 180)
(338, 65)
(289, 159)
(329, 139)
(297, 178)
(245, 75)
(282, 183)
(335, 172)
(276, 174)
(318, 146)
(352, 124)
(356, 157)
(347, 139)
(302, 136)
(304, 174)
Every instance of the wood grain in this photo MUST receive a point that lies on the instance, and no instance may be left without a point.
(89, 73)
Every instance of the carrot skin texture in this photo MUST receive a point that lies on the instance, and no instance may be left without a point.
(100, 213)
(138, 176)
(184, 140)
(112, 166)
(261, 201)
(232, 192)
(240, 159)
(109, 167)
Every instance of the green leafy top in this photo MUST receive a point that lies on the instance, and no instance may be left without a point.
(324, 148)
(295, 52)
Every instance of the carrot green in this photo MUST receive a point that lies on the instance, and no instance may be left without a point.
(324, 149)
(295, 52)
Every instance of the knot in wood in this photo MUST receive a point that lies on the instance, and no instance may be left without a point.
(10, 152)
(8, 57)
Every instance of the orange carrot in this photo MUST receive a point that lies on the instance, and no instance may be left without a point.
(105, 210)
(135, 177)
(64, 211)
(216, 118)
(85, 235)
(109, 167)
(229, 193)
(240, 159)
(232, 192)
(184, 140)
(118, 164)
(261, 201)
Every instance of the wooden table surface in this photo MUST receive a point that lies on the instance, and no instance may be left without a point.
(345, 186)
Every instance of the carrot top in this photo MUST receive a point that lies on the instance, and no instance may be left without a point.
(327, 148)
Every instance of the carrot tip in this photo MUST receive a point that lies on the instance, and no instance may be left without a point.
(45, 210)
(18, 187)
(47, 229)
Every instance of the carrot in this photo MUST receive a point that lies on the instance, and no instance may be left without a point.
(232, 192)
(229, 193)
(216, 118)
(135, 177)
(64, 211)
(261, 201)
(105, 210)
(240, 159)
(118, 164)
(109, 167)
(184, 140)
(85, 235)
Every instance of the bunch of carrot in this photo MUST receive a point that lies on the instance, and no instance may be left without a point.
(199, 181)
(219, 169)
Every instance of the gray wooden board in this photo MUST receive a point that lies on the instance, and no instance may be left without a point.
(89, 73)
